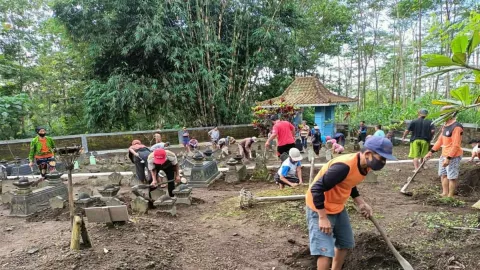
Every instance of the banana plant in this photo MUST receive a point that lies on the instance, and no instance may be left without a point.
(463, 46)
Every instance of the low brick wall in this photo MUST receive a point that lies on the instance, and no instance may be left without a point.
(111, 141)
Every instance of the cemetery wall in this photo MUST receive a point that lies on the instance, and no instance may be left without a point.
(122, 140)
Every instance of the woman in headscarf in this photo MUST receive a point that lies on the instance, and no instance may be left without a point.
(138, 154)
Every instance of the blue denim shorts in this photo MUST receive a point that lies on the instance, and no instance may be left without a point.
(322, 244)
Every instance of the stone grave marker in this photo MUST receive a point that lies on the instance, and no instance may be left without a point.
(57, 202)
(140, 205)
(108, 214)
(86, 190)
(115, 179)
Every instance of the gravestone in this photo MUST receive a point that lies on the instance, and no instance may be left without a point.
(21, 170)
(140, 205)
(167, 206)
(183, 194)
(57, 202)
(203, 173)
(86, 190)
(115, 179)
(108, 214)
(26, 202)
(260, 172)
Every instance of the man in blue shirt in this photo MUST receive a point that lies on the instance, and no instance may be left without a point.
(362, 132)
(290, 172)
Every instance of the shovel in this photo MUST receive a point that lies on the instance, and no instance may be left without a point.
(410, 179)
(311, 158)
(404, 263)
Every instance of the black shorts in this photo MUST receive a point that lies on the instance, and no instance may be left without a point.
(285, 148)
(316, 148)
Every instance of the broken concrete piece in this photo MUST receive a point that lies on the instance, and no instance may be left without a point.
(32, 251)
(57, 202)
(157, 193)
(140, 205)
(113, 202)
(476, 205)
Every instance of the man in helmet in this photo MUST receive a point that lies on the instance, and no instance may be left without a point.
(42, 151)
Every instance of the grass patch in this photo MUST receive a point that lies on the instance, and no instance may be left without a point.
(444, 201)
(447, 219)
(299, 190)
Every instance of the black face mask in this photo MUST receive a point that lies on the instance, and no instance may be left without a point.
(42, 134)
(376, 164)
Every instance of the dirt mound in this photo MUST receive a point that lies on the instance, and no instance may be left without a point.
(371, 252)
(468, 181)
(50, 215)
(301, 260)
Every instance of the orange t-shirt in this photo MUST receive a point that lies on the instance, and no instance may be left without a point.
(451, 140)
(45, 150)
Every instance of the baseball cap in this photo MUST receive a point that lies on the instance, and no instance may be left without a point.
(159, 156)
(316, 127)
(381, 146)
(295, 155)
(423, 112)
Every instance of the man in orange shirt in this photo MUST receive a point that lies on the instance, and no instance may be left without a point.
(329, 226)
(42, 150)
(449, 163)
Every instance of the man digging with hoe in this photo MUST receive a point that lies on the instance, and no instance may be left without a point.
(329, 226)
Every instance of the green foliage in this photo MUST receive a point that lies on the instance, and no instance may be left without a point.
(13, 109)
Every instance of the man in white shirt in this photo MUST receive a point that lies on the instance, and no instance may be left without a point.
(290, 173)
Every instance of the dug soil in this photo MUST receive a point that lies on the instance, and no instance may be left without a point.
(214, 233)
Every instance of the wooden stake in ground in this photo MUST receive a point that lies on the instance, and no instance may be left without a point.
(76, 233)
(71, 205)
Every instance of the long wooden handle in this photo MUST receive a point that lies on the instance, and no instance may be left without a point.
(404, 263)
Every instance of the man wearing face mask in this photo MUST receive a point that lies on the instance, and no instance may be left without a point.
(42, 150)
(330, 232)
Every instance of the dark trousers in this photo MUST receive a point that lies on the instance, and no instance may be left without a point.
(304, 142)
(316, 148)
(141, 166)
(43, 164)
(284, 148)
(170, 172)
(291, 179)
(362, 137)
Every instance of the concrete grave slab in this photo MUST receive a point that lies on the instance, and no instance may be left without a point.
(140, 205)
(107, 214)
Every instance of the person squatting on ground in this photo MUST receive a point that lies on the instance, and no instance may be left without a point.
(164, 160)
(290, 172)
(316, 140)
(450, 141)
(304, 133)
(422, 132)
(475, 150)
(42, 151)
(193, 144)
(336, 147)
(340, 138)
(138, 154)
(214, 137)
(284, 131)
(245, 147)
(330, 232)
(223, 144)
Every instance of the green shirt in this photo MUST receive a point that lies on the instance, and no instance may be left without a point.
(36, 147)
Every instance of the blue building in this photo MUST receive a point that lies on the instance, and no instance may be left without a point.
(310, 92)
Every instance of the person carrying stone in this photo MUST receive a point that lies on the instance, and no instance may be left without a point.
(422, 131)
(245, 147)
(450, 141)
(42, 152)
(290, 172)
(138, 154)
(284, 131)
(166, 161)
(304, 133)
(214, 135)
(330, 232)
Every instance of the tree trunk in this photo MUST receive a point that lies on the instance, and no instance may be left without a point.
(419, 88)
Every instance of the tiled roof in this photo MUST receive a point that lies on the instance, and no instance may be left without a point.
(307, 91)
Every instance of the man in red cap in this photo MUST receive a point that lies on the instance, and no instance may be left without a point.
(164, 160)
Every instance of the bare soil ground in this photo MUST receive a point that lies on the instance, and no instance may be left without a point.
(215, 234)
